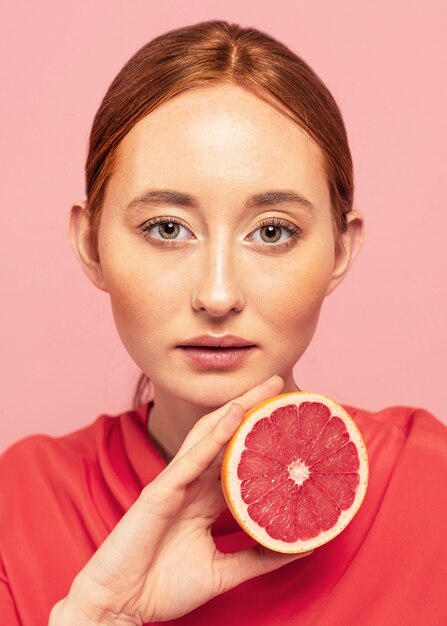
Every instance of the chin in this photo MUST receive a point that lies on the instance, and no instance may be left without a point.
(212, 393)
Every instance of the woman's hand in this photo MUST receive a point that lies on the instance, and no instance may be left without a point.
(160, 560)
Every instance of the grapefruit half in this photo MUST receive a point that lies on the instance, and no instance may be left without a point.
(295, 472)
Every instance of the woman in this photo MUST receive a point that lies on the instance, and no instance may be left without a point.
(219, 204)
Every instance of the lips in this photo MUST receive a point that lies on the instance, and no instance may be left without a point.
(215, 348)
(217, 341)
(206, 357)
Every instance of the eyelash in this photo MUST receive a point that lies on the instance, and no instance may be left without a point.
(295, 232)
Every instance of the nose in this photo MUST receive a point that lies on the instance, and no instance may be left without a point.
(218, 288)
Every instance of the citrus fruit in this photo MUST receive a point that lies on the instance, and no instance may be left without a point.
(295, 472)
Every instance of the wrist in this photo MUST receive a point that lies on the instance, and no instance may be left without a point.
(69, 612)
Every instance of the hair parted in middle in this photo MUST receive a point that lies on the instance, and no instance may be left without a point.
(203, 55)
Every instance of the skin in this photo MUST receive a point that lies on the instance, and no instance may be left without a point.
(220, 144)
(222, 274)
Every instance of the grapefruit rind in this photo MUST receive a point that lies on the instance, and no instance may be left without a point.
(231, 482)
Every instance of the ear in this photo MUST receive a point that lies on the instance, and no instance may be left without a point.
(347, 248)
(79, 232)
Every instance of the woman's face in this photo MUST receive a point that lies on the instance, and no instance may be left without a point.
(221, 269)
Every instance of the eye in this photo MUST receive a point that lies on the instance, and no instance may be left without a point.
(270, 230)
(168, 226)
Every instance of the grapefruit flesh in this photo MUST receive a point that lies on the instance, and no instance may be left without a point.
(295, 472)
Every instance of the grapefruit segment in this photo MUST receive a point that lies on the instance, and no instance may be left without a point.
(346, 459)
(340, 488)
(253, 489)
(295, 472)
(286, 423)
(313, 418)
(265, 439)
(254, 463)
(332, 438)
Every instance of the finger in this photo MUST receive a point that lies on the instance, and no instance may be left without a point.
(247, 400)
(205, 431)
(190, 465)
(238, 567)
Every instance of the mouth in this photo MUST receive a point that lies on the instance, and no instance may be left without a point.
(216, 348)
(217, 357)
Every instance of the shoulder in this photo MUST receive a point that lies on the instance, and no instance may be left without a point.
(403, 418)
(43, 449)
(81, 442)
(414, 430)
(34, 464)
(42, 461)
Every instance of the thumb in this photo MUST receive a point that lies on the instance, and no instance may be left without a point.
(238, 567)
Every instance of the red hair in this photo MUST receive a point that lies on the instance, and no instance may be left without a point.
(212, 53)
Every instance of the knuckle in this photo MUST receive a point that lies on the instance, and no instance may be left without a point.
(197, 457)
(154, 494)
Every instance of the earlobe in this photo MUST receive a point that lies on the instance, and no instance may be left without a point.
(349, 246)
(79, 232)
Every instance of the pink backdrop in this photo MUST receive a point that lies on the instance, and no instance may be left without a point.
(381, 339)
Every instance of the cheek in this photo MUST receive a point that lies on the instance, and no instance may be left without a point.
(141, 311)
(142, 296)
(293, 303)
(141, 302)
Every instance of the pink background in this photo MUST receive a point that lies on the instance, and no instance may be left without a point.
(381, 339)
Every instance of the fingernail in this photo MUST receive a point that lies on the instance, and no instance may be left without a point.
(271, 379)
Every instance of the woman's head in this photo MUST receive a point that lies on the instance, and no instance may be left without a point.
(209, 53)
(229, 117)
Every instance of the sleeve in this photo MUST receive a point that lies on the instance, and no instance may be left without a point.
(8, 611)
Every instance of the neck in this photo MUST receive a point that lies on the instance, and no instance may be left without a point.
(171, 418)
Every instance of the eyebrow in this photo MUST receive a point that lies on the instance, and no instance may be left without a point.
(158, 197)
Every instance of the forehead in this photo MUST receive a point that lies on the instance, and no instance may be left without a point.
(223, 136)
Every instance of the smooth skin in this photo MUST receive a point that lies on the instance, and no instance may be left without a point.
(217, 272)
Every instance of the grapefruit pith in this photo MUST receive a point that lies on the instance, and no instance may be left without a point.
(295, 472)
